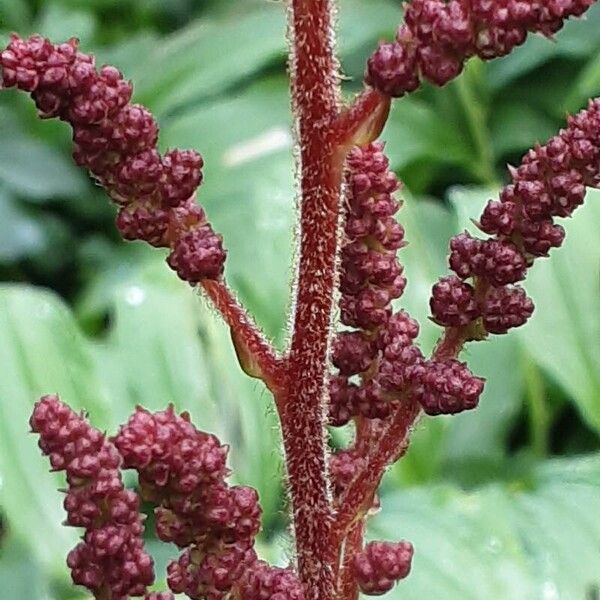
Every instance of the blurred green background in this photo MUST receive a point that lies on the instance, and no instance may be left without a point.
(501, 504)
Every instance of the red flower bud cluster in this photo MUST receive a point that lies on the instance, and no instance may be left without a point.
(382, 349)
(117, 142)
(264, 582)
(110, 561)
(438, 36)
(371, 275)
(380, 565)
(343, 466)
(549, 183)
(183, 471)
(371, 278)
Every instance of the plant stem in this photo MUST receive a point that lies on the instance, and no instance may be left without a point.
(475, 113)
(363, 121)
(392, 443)
(536, 404)
(348, 588)
(302, 411)
(256, 355)
(358, 497)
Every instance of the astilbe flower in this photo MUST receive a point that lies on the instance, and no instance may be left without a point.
(380, 565)
(371, 278)
(438, 36)
(183, 470)
(264, 582)
(110, 561)
(117, 141)
(381, 350)
(381, 382)
(550, 182)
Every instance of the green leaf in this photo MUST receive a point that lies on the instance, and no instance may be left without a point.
(20, 234)
(152, 354)
(587, 85)
(501, 541)
(363, 24)
(563, 335)
(208, 56)
(516, 126)
(14, 14)
(417, 131)
(35, 170)
(41, 352)
(482, 434)
(27, 234)
(214, 54)
(20, 575)
(59, 23)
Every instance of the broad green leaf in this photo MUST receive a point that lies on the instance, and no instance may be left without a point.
(587, 85)
(564, 333)
(25, 233)
(41, 352)
(516, 125)
(213, 54)
(35, 170)
(526, 540)
(361, 24)
(416, 131)
(126, 54)
(20, 575)
(20, 234)
(482, 433)
(59, 23)
(152, 354)
(208, 56)
(14, 14)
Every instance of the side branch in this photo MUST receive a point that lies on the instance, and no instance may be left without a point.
(358, 497)
(256, 355)
(393, 442)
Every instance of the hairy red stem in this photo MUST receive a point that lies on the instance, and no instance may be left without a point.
(314, 83)
(348, 587)
(358, 497)
(255, 353)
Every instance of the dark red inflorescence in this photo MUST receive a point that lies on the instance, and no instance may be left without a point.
(550, 182)
(110, 561)
(380, 349)
(438, 36)
(264, 582)
(380, 565)
(371, 278)
(117, 142)
(183, 471)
